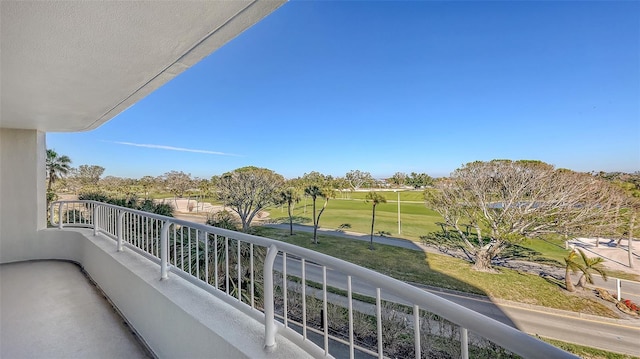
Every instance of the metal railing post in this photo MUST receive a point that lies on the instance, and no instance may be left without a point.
(164, 251)
(464, 343)
(120, 229)
(416, 331)
(379, 323)
(95, 219)
(269, 309)
(59, 216)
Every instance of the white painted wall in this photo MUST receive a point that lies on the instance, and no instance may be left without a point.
(22, 192)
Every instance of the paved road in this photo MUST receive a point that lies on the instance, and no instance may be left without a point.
(621, 336)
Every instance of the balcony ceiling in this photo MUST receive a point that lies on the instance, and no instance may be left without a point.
(72, 66)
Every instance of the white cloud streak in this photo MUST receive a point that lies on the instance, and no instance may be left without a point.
(171, 148)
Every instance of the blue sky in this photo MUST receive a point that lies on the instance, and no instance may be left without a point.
(389, 87)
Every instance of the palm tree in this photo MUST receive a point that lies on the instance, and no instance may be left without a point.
(314, 192)
(57, 166)
(572, 266)
(375, 199)
(290, 196)
(590, 264)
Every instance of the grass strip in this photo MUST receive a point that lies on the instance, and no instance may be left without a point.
(445, 272)
(585, 352)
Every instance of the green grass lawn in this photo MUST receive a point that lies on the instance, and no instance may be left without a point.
(416, 219)
(444, 272)
(405, 195)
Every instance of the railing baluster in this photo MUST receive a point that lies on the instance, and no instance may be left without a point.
(125, 227)
(416, 330)
(284, 289)
(143, 234)
(164, 250)
(253, 303)
(379, 322)
(269, 306)
(304, 300)
(60, 215)
(197, 254)
(175, 247)
(464, 343)
(156, 234)
(190, 250)
(182, 248)
(226, 261)
(148, 236)
(96, 223)
(206, 257)
(120, 230)
(325, 323)
(239, 286)
(350, 303)
(215, 249)
(139, 243)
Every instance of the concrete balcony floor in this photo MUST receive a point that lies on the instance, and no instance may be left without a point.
(50, 309)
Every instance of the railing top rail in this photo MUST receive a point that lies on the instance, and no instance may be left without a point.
(502, 334)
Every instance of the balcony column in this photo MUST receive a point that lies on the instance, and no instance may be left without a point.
(23, 192)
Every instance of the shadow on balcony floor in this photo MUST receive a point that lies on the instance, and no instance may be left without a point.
(51, 309)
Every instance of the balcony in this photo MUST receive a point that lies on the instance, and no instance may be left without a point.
(191, 290)
(50, 307)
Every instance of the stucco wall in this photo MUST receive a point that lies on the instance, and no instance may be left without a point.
(22, 192)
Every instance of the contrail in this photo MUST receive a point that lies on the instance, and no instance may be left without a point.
(171, 148)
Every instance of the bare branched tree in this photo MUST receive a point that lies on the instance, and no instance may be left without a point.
(177, 182)
(507, 201)
(357, 178)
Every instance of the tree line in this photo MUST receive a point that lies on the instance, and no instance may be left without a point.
(502, 201)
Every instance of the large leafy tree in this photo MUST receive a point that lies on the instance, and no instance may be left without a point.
(398, 179)
(507, 201)
(247, 190)
(375, 199)
(118, 185)
(86, 177)
(57, 166)
(418, 180)
(147, 183)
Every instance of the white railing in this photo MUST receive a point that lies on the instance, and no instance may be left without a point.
(303, 294)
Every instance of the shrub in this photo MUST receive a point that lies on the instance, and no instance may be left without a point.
(223, 219)
(130, 202)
